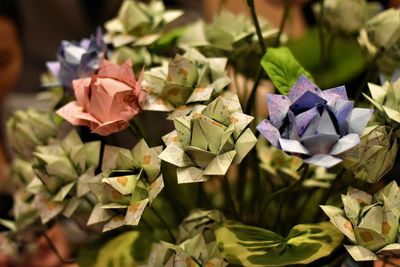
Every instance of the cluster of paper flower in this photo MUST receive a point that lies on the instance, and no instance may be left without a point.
(62, 172)
(209, 140)
(196, 244)
(187, 80)
(107, 101)
(136, 28)
(130, 180)
(315, 125)
(371, 223)
(381, 36)
(78, 60)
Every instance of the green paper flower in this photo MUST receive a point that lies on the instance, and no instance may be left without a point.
(374, 156)
(196, 245)
(345, 17)
(63, 171)
(381, 34)
(187, 80)
(386, 99)
(231, 36)
(371, 223)
(207, 142)
(31, 128)
(131, 180)
(136, 27)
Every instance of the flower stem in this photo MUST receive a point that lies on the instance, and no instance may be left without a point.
(284, 19)
(229, 199)
(252, 97)
(55, 250)
(285, 190)
(250, 4)
(164, 223)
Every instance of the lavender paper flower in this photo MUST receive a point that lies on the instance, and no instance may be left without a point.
(78, 60)
(315, 125)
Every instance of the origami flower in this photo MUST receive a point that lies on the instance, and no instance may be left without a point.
(136, 27)
(229, 35)
(28, 129)
(386, 99)
(313, 124)
(197, 245)
(78, 60)
(346, 16)
(106, 102)
(63, 170)
(187, 80)
(374, 156)
(131, 180)
(209, 140)
(371, 223)
(381, 36)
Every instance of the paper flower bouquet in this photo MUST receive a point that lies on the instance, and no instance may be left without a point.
(311, 183)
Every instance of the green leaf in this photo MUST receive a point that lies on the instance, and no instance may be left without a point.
(252, 246)
(282, 68)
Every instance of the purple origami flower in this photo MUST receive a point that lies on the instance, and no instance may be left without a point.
(315, 125)
(78, 60)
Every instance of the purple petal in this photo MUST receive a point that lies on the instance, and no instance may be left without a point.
(54, 67)
(342, 111)
(345, 143)
(85, 43)
(320, 143)
(305, 102)
(293, 146)
(300, 87)
(358, 119)
(269, 132)
(325, 125)
(311, 128)
(323, 160)
(278, 106)
(303, 120)
(334, 94)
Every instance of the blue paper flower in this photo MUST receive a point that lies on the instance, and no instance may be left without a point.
(78, 60)
(315, 125)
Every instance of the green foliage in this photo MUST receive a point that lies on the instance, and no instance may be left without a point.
(253, 246)
(282, 68)
(124, 250)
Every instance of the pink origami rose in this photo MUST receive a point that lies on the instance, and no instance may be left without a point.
(107, 101)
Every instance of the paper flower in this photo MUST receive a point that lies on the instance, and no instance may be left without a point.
(131, 180)
(78, 60)
(386, 99)
(231, 36)
(371, 223)
(346, 16)
(314, 124)
(63, 171)
(381, 34)
(374, 156)
(196, 246)
(207, 142)
(136, 27)
(187, 80)
(106, 102)
(31, 128)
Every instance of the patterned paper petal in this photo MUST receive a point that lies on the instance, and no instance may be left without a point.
(135, 211)
(269, 132)
(358, 120)
(278, 106)
(345, 143)
(190, 175)
(334, 94)
(302, 85)
(326, 161)
(293, 146)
